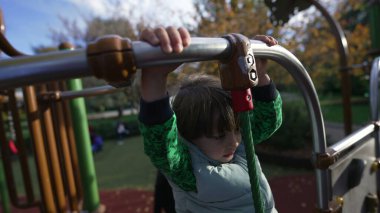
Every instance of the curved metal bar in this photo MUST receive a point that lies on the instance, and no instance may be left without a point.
(373, 89)
(69, 64)
(342, 47)
(5, 46)
(374, 103)
(146, 55)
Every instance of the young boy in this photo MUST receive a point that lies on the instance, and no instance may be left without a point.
(196, 144)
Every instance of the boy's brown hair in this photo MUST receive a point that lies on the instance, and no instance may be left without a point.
(199, 102)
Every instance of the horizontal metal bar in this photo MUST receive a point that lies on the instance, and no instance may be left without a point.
(42, 68)
(87, 92)
(200, 49)
(352, 139)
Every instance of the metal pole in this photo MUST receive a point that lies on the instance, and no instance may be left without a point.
(65, 151)
(72, 143)
(3, 191)
(52, 152)
(86, 92)
(91, 198)
(22, 148)
(44, 176)
(374, 21)
(342, 46)
(42, 68)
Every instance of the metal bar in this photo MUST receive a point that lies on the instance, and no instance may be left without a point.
(72, 143)
(8, 168)
(86, 162)
(42, 68)
(342, 46)
(7, 163)
(71, 188)
(352, 139)
(4, 43)
(374, 89)
(200, 49)
(21, 146)
(88, 92)
(52, 152)
(374, 104)
(39, 148)
(4, 198)
(151, 56)
(374, 17)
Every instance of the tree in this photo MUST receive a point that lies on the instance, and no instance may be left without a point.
(323, 61)
(218, 18)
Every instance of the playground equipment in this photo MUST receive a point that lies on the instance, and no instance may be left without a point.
(357, 155)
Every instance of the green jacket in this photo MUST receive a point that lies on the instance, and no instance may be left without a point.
(171, 155)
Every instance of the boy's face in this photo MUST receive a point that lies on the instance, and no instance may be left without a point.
(219, 147)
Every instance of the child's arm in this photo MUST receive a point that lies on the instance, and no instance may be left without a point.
(171, 40)
(266, 118)
(158, 122)
(261, 64)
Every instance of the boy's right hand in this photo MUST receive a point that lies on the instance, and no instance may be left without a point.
(171, 40)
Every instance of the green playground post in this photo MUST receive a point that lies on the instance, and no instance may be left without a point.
(374, 21)
(3, 191)
(91, 200)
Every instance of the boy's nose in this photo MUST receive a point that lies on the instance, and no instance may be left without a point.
(233, 140)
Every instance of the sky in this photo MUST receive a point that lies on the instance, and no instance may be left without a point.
(28, 22)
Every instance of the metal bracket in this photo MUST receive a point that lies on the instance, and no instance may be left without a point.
(239, 70)
(111, 58)
(325, 160)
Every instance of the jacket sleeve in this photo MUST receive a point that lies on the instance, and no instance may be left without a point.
(266, 117)
(168, 154)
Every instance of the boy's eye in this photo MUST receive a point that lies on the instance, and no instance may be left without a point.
(218, 137)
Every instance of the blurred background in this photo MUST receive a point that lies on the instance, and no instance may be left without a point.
(39, 26)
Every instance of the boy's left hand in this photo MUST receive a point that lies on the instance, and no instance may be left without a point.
(261, 63)
(269, 40)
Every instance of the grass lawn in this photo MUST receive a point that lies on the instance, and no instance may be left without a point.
(124, 166)
(361, 113)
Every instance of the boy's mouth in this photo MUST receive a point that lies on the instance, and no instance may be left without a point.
(229, 154)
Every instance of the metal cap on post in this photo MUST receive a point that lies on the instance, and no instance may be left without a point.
(239, 70)
(111, 58)
(238, 73)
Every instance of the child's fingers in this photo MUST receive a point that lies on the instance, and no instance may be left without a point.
(163, 36)
(175, 39)
(273, 40)
(185, 35)
(269, 40)
(149, 36)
